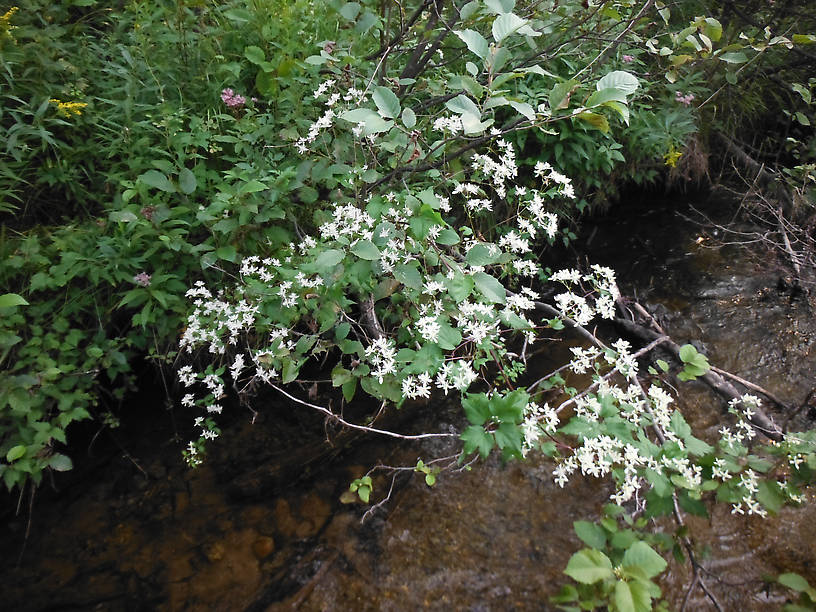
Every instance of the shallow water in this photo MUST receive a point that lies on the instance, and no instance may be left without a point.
(142, 533)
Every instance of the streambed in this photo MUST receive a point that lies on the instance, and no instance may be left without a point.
(143, 533)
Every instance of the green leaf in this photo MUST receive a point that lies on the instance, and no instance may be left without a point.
(408, 118)
(687, 353)
(15, 452)
(8, 300)
(350, 10)
(476, 438)
(187, 181)
(482, 255)
(365, 249)
(449, 337)
(662, 365)
(589, 566)
(477, 408)
(254, 54)
(475, 42)
(605, 95)
(490, 287)
(599, 122)
(619, 79)
(624, 602)
(500, 6)
(641, 555)
(793, 581)
(460, 286)
(559, 97)
(591, 534)
(524, 109)
(387, 102)
(510, 23)
(328, 259)
(227, 253)
(60, 463)
(154, 178)
(447, 237)
(733, 57)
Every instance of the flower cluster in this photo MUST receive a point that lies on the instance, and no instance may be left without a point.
(685, 100)
(232, 99)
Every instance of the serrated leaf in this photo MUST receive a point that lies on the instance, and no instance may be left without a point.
(477, 439)
(460, 286)
(624, 602)
(387, 102)
(477, 408)
(589, 566)
(482, 255)
(475, 42)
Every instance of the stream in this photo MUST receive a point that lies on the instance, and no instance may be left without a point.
(133, 529)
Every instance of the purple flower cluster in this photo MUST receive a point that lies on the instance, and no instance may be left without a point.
(232, 99)
(142, 279)
(685, 100)
(628, 59)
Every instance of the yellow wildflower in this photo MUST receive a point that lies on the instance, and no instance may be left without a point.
(5, 25)
(672, 156)
(68, 109)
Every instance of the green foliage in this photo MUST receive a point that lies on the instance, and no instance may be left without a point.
(694, 363)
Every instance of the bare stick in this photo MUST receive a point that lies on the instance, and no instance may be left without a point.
(345, 423)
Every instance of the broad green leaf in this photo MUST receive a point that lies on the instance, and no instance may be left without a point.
(476, 438)
(589, 566)
(793, 581)
(490, 287)
(447, 237)
(408, 118)
(328, 259)
(605, 95)
(559, 97)
(227, 253)
(804, 39)
(687, 353)
(642, 555)
(350, 10)
(599, 122)
(449, 337)
(15, 452)
(500, 6)
(154, 178)
(591, 534)
(524, 109)
(60, 463)
(802, 91)
(8, 300)
(733, 57)
(712, 28)
(376, 124)
(387, 102)
(619, 79)
(408, 275)
(509, 23)
(475, 42)
(460, 286)
(365, 249)
(477, 408)
(624, 602)
(482, 255)
(254, 54)
(357, 115)
(461, 104)
(187, 181)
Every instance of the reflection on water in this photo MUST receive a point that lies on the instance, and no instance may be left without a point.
(156, 537)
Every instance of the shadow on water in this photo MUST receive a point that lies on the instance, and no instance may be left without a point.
(261, 526)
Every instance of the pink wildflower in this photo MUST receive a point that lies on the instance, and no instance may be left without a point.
(232, 99)
(142, 279)
(685, 100)
(628, 59)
